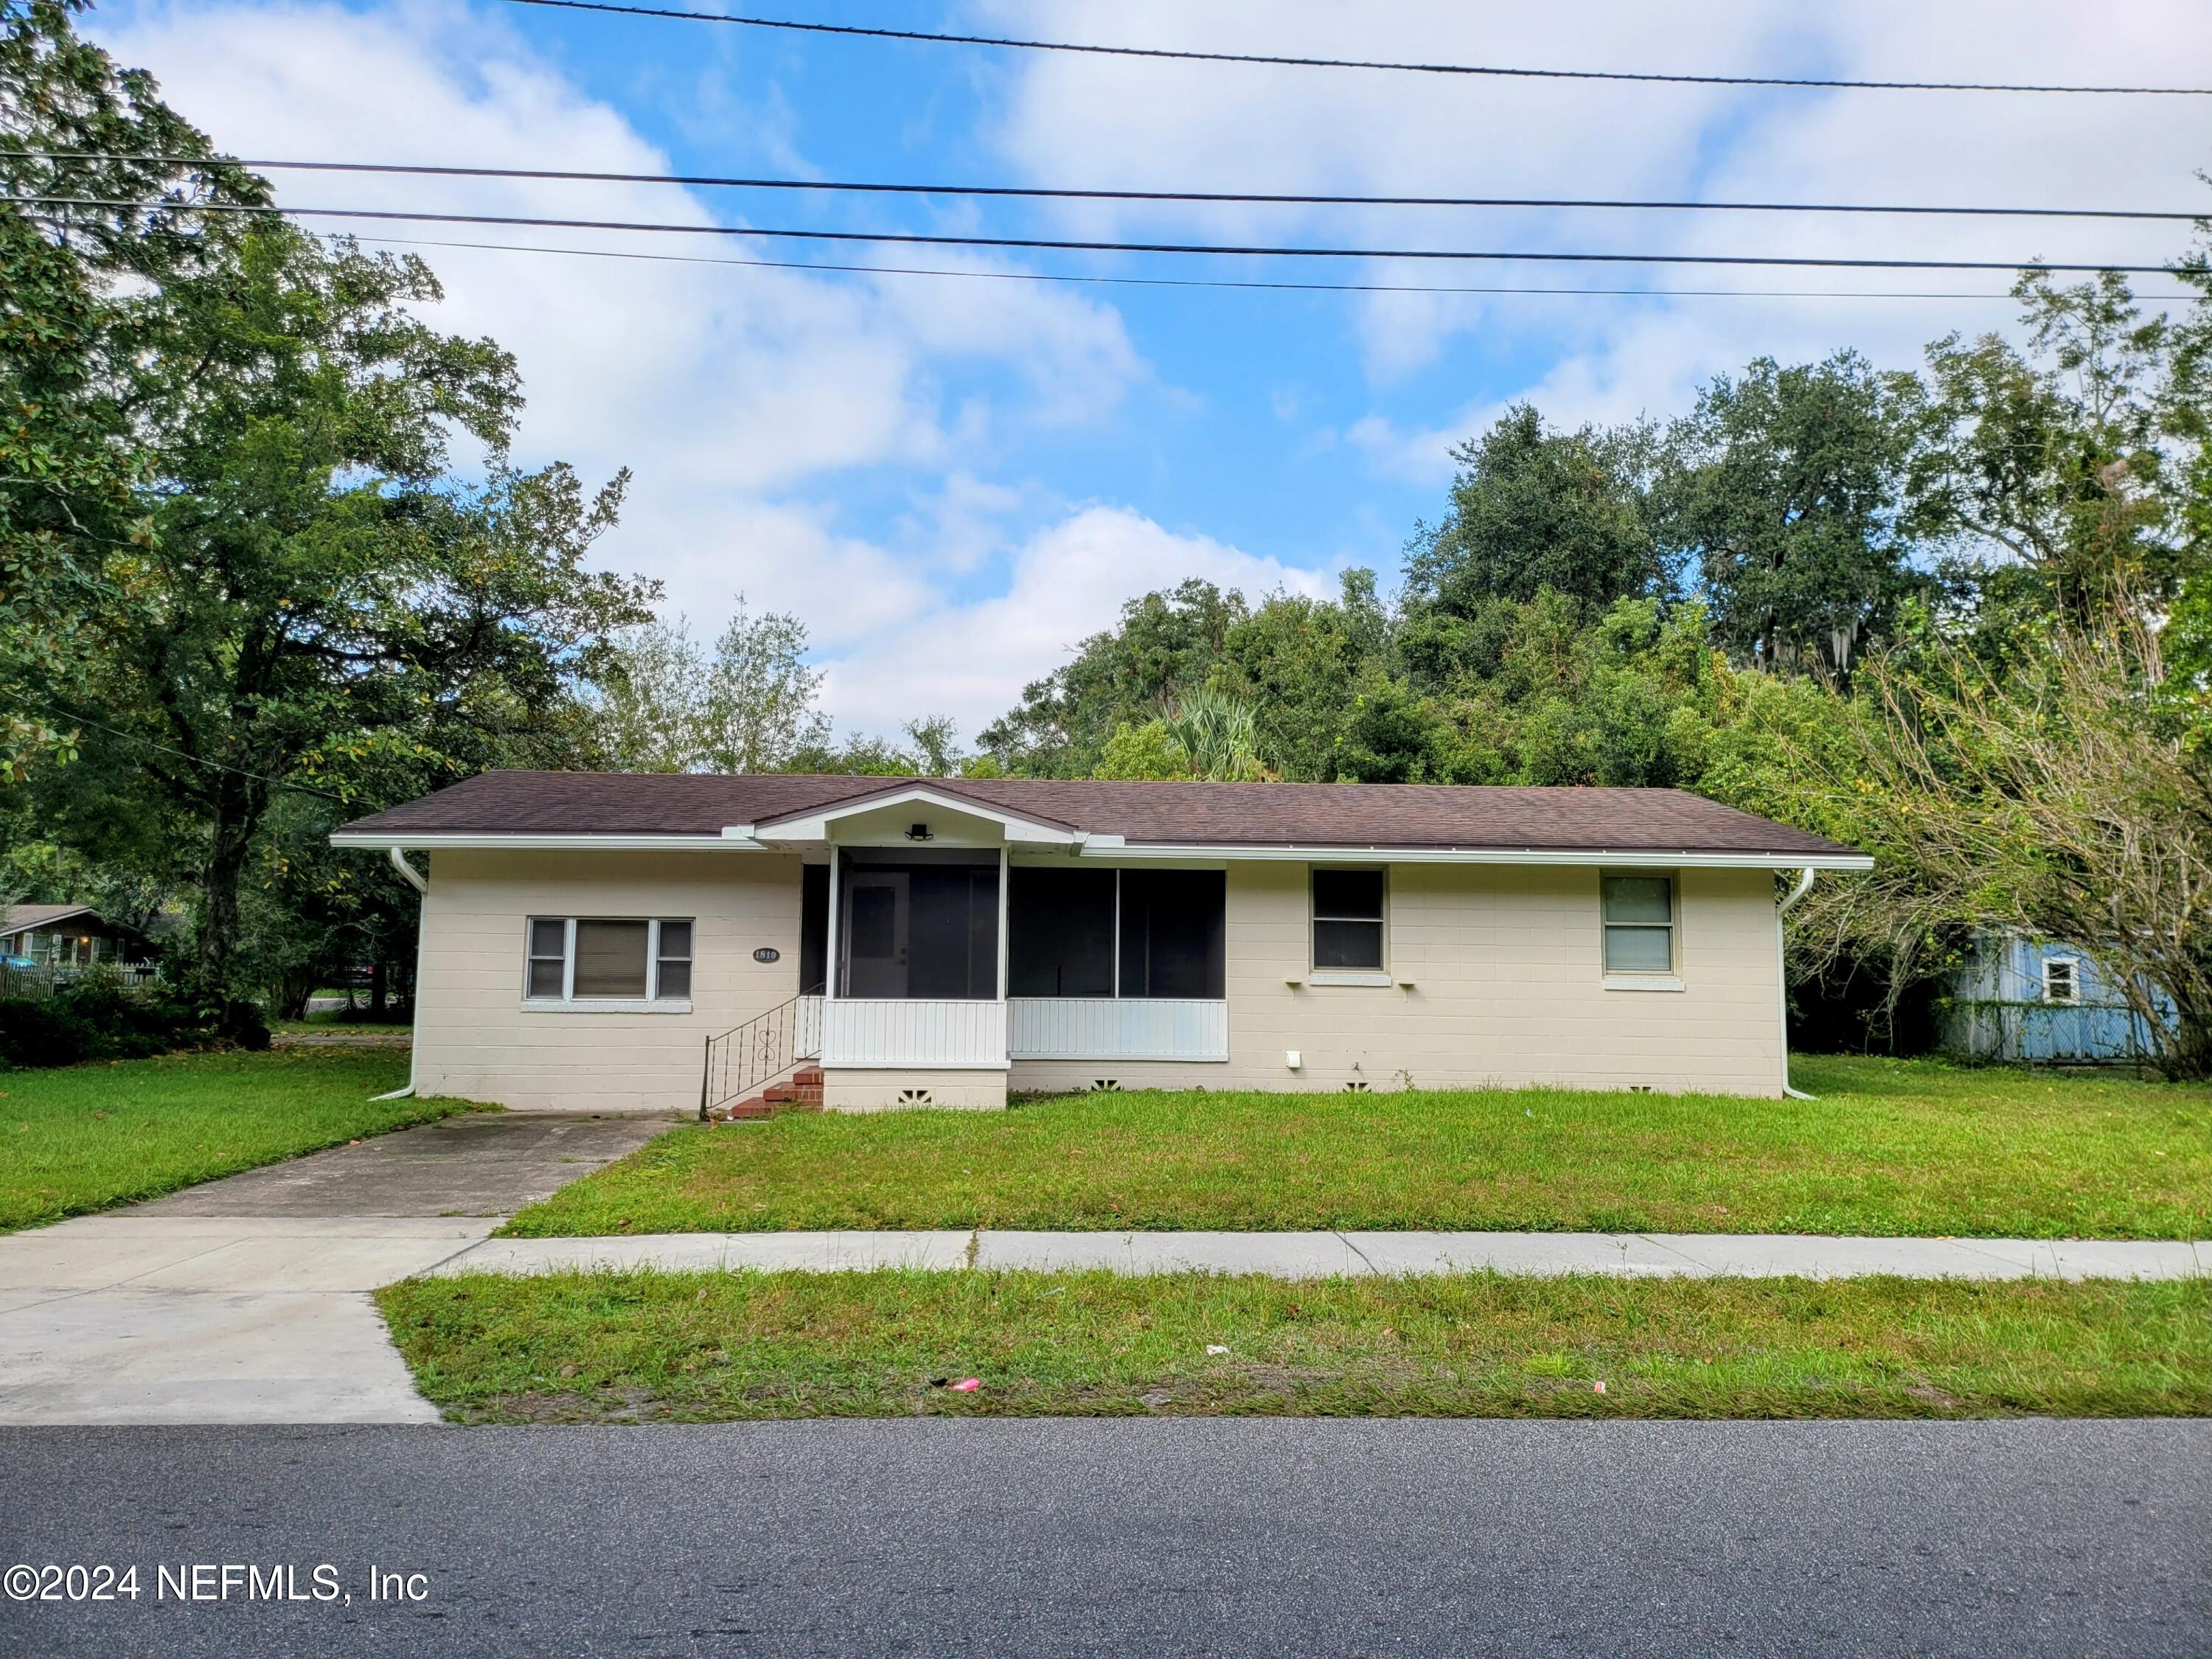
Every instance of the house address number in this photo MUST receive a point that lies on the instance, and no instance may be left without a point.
(767, 953)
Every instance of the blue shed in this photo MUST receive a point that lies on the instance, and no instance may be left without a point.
(2023, 999)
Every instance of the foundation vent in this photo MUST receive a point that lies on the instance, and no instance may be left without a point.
(1105, 1085)
(914, 1097)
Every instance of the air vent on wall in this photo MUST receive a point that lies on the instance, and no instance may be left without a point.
(914, 1097)
(1105, 1085)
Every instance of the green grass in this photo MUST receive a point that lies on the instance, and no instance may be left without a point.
(695, 1346)
(82, 1138)
(334, 1019)
(1895, 1147)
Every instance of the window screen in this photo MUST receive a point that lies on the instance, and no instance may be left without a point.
(671, 967)
(611, 959)
(1639, 924)
(549, 956)
(1347, 908)
(1059, 932)
(1171, 933)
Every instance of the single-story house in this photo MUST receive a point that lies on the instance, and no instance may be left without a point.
(67, 937)
(621, 943)
(2023, 1000)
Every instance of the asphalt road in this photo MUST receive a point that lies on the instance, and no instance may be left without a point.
(1129, 1538)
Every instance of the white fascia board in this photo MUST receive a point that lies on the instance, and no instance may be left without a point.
(1611, 861)
(528, 842)
(817, 826)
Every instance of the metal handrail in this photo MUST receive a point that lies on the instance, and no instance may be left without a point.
(765, 1047)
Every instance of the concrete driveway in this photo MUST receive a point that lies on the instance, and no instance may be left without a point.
(245, 1300)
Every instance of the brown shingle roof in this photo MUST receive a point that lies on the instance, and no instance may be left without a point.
(19, 918)
(1381, 815)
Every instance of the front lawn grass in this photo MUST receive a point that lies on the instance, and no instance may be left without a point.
(1893, 1147)
(606, 1347)
(82, 1138)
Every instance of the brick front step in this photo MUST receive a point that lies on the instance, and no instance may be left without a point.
(798, 1096)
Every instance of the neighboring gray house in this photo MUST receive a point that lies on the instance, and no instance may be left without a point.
(2023, 999)
(605, 943)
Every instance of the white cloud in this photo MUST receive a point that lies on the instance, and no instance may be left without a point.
(1133, 122)
(744, 399)
(1069, 580)
(839, 448)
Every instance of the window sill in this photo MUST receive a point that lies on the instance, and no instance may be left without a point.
(605, 1005)
(1643, 982)
(1349, 976)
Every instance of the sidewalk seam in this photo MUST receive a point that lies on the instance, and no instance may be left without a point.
(441, 1261)
(1366, 1260)
(1657, 1241)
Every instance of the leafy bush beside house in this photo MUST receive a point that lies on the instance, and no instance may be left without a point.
(99, 1018)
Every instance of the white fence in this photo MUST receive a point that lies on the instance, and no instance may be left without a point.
(905, 1031)
(1118, 1027)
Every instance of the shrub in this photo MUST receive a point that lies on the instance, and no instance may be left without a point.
(98, 1018)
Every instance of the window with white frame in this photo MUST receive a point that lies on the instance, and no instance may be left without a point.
(607, 959)
(1639, 924)
(2061, 979)
(1347, 920)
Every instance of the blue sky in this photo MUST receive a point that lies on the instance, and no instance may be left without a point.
(953, 480)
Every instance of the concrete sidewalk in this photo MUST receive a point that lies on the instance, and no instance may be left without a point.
(246, 1300)
(141, 1318)
(1324, 1254)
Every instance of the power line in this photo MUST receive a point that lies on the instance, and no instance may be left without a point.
(1801, 82)
(1069, 193)
(1073, 246)
(1227, 282)
(56, 710)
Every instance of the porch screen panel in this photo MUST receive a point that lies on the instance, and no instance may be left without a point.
(813, 928)
(953, 931)
(1172, 932)
(1060, 929)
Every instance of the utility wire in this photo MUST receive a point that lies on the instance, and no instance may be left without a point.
(1067, 245)
(1230, 282)
(1065, 193)
(1815, 82)
(59, 712)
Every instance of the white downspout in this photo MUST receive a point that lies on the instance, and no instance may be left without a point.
(414, 878)
(1782, 976)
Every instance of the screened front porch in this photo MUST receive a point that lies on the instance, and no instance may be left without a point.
(958, 959)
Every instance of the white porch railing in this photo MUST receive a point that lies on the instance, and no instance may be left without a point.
(914, 1031)
(807, 1045)
(1117, 1028)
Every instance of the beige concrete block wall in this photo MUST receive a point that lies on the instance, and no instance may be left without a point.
(870, 1089)
(475, 1038)
(1509, 989)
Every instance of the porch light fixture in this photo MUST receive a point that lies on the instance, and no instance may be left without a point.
(919, 832)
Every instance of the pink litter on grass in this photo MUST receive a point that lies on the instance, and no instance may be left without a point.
(967, 1385)
(1597, 1388)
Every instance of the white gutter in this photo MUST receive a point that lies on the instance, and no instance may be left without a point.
(487, 842)
(1113, 848)
(1782, 972)
(421, 886)
(1591, 857)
